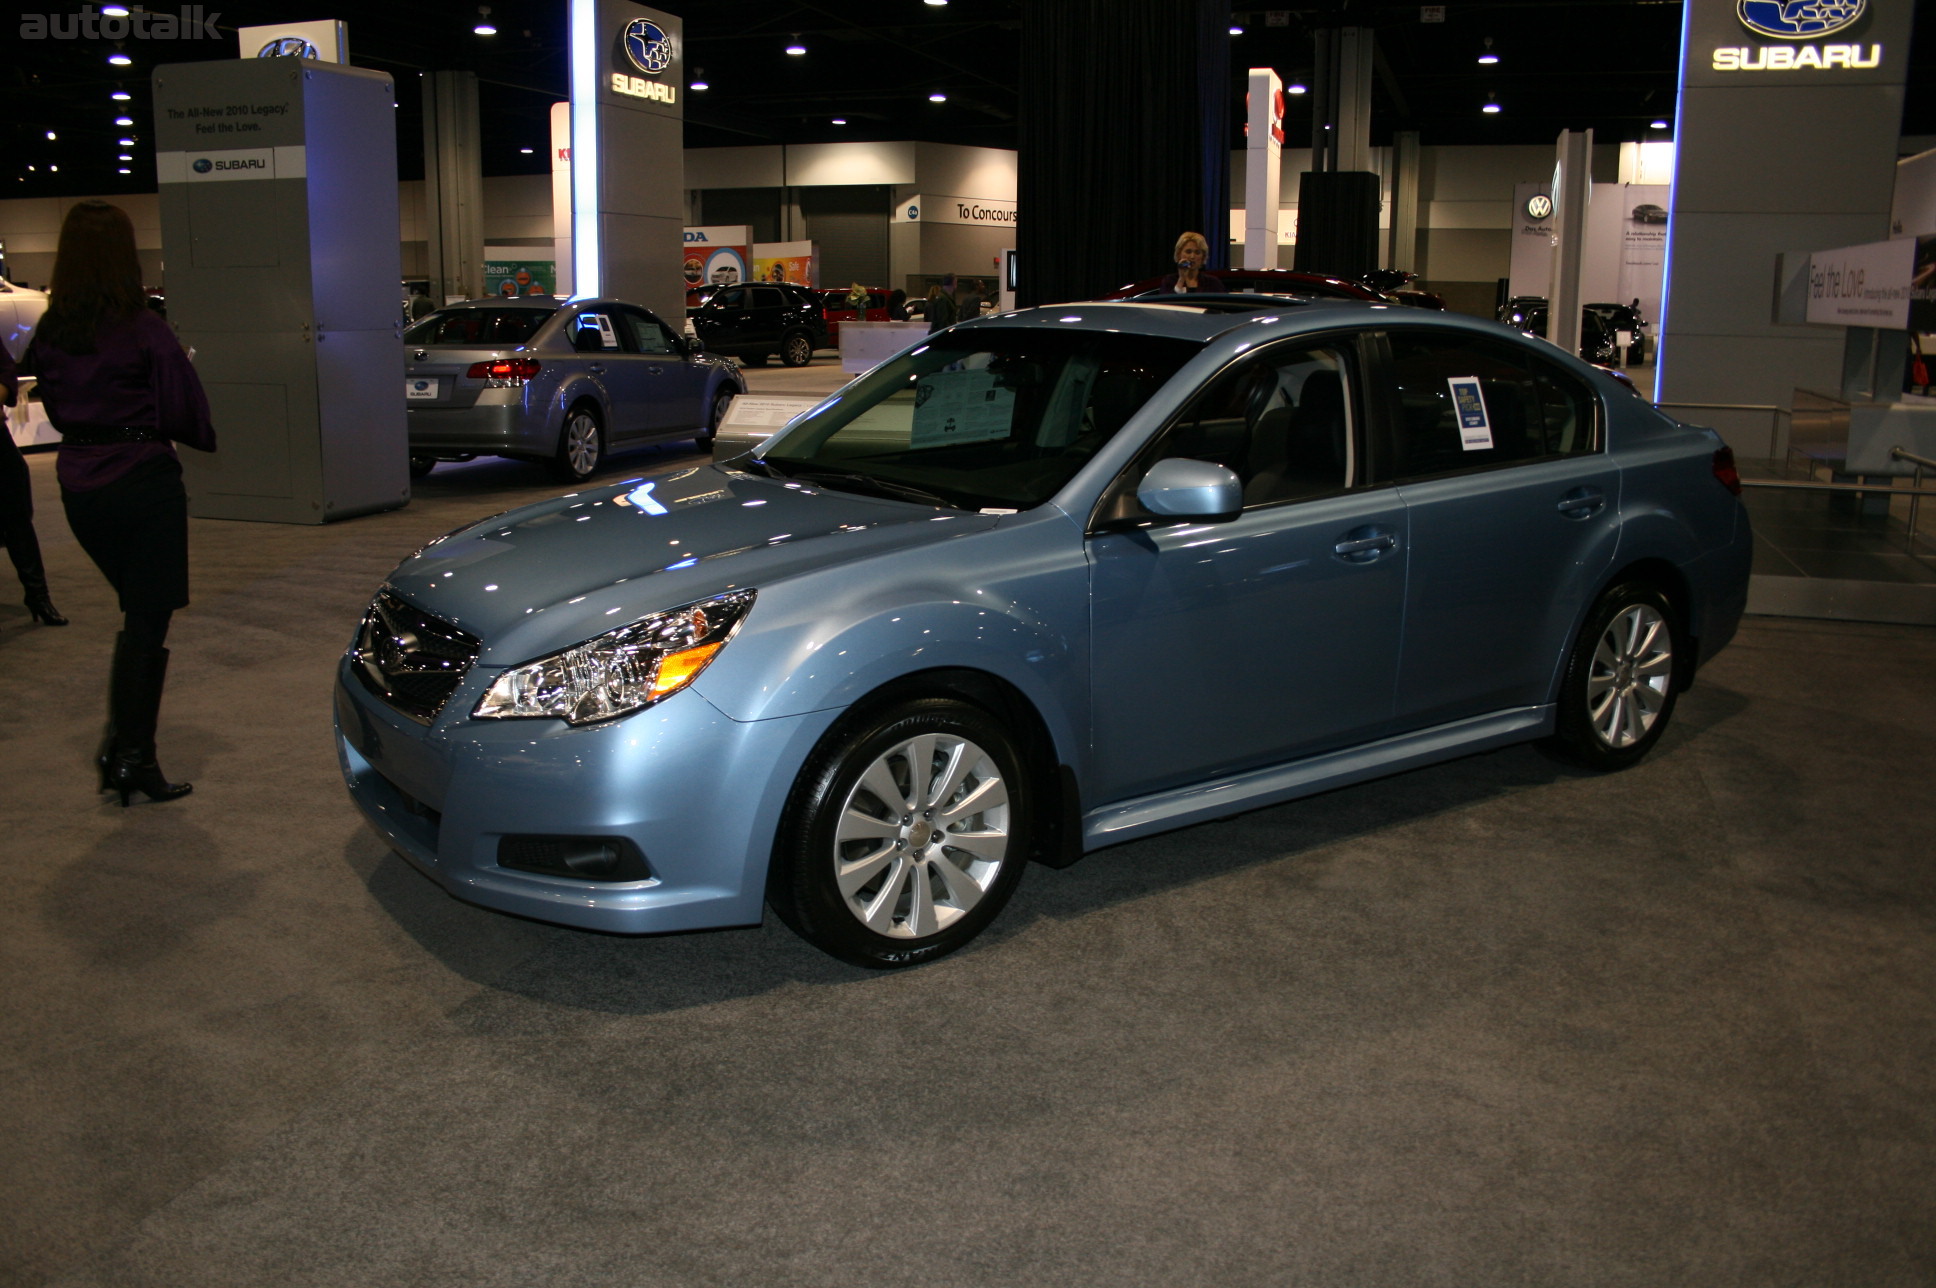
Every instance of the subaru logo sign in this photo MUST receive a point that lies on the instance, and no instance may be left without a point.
(646, 45)
(287, 47)
(203, 165)
(1798, 19)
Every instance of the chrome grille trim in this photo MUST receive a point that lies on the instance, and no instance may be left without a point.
(408, 658)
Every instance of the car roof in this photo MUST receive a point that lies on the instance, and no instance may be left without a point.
(1202, 318)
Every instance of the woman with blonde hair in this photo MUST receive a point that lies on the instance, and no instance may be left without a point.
(1192, 250)
(120, 390)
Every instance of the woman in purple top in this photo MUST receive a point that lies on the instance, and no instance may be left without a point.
(17, 508)
(120, 390)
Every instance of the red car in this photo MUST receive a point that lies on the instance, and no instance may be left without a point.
(836, 308)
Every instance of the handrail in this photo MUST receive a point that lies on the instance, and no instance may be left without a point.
(1774, 418)
(1916, 492)
(1900, 453)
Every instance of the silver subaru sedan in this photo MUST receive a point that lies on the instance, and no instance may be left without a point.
(1043, 583)
(558, 381)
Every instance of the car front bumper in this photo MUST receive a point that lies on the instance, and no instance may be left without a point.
(698, 793)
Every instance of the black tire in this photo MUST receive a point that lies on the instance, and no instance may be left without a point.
(721, 401)
(796, 349)
(910, 897)
(1622, 679)
(421, 465)
(581, 445)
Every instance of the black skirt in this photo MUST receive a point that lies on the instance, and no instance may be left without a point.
(136, 531)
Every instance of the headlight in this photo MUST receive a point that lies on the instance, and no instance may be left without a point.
(620, 671)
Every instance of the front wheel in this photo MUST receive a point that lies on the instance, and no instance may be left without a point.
(581, 446)
(905, 835)
(1619, 689)
(721, 401)
(797, 349)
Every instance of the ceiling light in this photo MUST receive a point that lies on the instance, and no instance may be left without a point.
(124, 120)
(50, 136)
(1657, 125)
(1486, 56)
(525, 151)
(484, 27)
(699, 83)
(121, 96)
(937, 98)
(936, 3)
(124, 171)
(126, 143)
(1491, 108)
(1297, 87)
(840, 120)
(120, 60)
(53, 167)
(1236, 31)
(795, 48)
(114, 11)
(125, 156)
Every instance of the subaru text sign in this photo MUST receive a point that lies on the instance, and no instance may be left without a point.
(1807, 40)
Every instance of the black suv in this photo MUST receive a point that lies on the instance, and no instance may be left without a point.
(752, 321)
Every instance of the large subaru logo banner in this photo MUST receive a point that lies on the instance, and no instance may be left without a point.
(1799, 19)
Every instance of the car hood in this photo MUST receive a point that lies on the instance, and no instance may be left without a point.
(547, 576)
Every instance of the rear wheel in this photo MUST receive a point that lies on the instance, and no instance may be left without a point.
(1619, 689)
(581, 445)
(905, 835)
(796, 350)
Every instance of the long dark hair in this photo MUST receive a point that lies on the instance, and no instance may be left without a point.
(97, 277)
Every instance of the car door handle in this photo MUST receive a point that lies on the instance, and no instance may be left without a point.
(597, 368)
(654, 369)
(1582, 502)
(1366, 549)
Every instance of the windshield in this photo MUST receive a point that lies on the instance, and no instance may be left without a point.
(484, 326)
(989, 418)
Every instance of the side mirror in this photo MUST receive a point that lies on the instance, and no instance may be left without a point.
(1186, 489)
(694, 346)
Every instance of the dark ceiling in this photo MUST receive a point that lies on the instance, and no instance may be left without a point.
(1604, 65)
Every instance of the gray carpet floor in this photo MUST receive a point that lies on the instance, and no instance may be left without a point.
(1490, 1023)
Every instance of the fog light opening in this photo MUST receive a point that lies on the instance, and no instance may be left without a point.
(578, 858)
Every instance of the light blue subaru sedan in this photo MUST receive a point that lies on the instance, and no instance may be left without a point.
(1046, 582)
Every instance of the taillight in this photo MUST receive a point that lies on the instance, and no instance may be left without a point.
(511, 371)
(1724, 472)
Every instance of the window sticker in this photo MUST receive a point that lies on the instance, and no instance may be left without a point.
(607, 338)
(961, 407)
(1475, 427)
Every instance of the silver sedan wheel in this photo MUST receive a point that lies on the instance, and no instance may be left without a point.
(581, 443)
(1633, 670)
(922, 836)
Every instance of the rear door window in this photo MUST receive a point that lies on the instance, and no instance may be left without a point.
(1463, 402)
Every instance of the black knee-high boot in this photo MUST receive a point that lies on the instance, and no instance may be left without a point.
(134, 709)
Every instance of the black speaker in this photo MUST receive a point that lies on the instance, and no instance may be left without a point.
(1337, 223)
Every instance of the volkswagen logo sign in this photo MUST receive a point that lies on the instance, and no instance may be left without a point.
(203, 165)
(1798, 19)
(287, 47)
(647, 46)
(1539, 206)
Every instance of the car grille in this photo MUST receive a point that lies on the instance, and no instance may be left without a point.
(411, 660)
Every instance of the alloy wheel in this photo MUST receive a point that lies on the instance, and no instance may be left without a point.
(1631, 676)
(922, 836)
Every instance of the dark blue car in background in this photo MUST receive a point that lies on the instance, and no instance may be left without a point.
(1045, 582)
